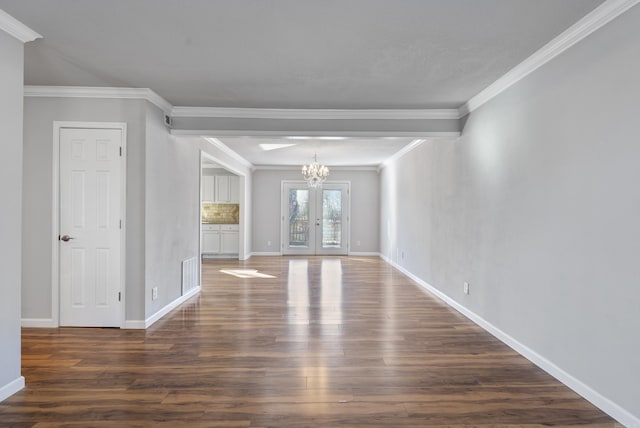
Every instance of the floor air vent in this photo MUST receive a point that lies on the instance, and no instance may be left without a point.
(189, 274)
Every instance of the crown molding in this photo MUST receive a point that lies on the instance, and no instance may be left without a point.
(593, 21)
(275, 134)
(403, 151)
(331, 167)
(17, 29)
(98, 92)
(226, 150)
(273, 113)
(412, 146)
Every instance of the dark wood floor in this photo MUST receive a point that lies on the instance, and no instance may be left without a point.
(325, 342)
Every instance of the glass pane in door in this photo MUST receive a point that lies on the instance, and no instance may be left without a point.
(298, 218)
(331, 218)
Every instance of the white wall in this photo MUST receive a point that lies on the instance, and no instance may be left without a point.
(11, 84)
(365, 207)
(537, 206)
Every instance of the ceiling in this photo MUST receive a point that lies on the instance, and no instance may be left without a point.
(293, 54)
(335, 151)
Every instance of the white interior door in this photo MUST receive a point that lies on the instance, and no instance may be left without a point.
(90, 223)
(315, 220)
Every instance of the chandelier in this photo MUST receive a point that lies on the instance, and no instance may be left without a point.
(314, 173)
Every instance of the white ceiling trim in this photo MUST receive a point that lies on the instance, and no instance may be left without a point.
(365, 134)
(98, 92)
(403, 151)
(593, 21)
(332, 167)
(225, 149)
(408, 148)
(17, 29)
(274, 113)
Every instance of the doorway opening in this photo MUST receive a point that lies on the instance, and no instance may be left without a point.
(315, 221)
(221, 195)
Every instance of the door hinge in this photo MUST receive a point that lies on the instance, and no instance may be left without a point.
(120, 150)
(120, 224)
(119, 296)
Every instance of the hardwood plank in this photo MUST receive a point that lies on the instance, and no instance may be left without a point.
(367, 349)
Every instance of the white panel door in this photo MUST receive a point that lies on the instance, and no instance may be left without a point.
(315, 220)
(90, 243)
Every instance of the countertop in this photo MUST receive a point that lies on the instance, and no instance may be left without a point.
(210, 222)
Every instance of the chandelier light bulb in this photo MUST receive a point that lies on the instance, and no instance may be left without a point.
(314, 173)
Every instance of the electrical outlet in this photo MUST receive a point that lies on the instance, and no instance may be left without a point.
(154, 293)
(268, 243)
(465, 288)
(403, 255)
(357, 243)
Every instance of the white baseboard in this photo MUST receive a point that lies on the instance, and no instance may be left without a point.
(265, 253)
(134, 325)
(11, 388)
(364, 254)
(603, 403)
(164, 311)
(220, 256)
(38, 323)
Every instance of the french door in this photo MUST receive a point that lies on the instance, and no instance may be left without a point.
(315, 221)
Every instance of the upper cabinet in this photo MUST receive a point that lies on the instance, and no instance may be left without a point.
(224, 189)
(208, 189)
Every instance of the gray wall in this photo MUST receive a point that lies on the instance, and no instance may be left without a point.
(537, 206)
(365, 207)
(11, 84)
(162, 219)
(172, 203)
(39, 115)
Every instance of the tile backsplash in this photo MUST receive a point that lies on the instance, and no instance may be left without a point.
(220, 213)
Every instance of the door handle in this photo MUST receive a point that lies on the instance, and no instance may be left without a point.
(66, 238)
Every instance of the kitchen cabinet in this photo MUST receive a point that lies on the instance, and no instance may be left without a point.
(229, 239)
(220, 239)
(223, 189)
(208, 189)
(210, 242)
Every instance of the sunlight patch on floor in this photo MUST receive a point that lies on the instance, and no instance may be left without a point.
(246, 273)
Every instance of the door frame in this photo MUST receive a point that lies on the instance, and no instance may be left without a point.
(55, 213)
(242, 205)
(283, 212)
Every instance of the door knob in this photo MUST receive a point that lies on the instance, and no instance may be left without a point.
(66, 238)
